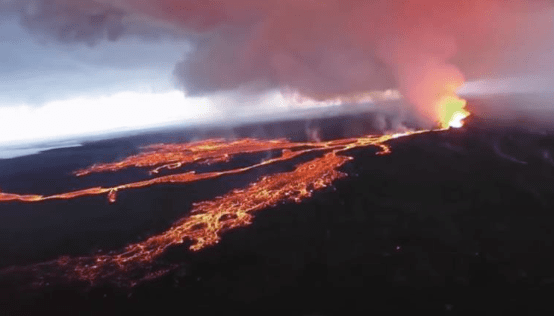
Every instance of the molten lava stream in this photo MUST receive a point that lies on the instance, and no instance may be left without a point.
(170, 153)
(204, 225)
(208, 219)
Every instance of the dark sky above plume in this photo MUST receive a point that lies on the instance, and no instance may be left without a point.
(328, 49)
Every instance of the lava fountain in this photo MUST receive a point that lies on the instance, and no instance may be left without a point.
(452, 112)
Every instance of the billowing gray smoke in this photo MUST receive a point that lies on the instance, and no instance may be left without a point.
(322, 49)
(68, 21)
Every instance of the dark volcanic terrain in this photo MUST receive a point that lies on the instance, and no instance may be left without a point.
(456, 222)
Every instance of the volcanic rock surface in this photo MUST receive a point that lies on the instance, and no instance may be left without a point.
(456, 221)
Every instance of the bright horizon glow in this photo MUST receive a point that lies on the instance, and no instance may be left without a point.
(129, 111)
(86, 116)
(75, 119)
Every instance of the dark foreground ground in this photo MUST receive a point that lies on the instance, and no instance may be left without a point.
(459, 222)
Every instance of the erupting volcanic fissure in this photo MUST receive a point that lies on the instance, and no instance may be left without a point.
(452, 112)
(207, 220)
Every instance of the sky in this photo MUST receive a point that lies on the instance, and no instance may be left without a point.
(72, 68)
(53, 90)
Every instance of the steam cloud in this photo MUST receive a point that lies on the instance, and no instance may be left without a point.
(323, 49)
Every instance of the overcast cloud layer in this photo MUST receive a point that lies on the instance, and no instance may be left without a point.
(34, 70)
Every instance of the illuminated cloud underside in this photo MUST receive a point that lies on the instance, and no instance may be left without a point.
(90, 116)
(133, 111)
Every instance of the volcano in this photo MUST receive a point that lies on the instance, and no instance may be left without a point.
(456, 220)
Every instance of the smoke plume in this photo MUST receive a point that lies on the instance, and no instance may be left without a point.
(324, 49)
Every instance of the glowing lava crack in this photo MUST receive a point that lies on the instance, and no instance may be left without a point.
(209, 219)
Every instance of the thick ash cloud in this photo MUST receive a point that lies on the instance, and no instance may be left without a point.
(328, 48)
(325, 49)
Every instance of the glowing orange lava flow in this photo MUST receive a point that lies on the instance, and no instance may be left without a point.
(209, 219)
(172, 156)
(163, 152)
